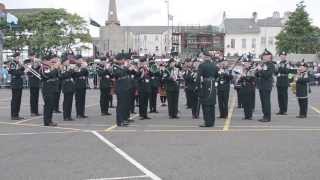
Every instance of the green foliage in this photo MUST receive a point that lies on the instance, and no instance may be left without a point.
(48, 30)
(298, 35)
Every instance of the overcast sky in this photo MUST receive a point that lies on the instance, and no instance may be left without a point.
(185, 12)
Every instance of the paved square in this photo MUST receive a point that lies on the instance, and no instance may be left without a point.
(285, 149)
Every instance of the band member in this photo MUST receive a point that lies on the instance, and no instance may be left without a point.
(264, 76)
(17, 71)
(121, 73)
(81, 77)
(224, 80)
(50, 78)
(208, 73)
(282, 73)
(144, 88)
(247, 90)
(163, 93)
(188, 81)
(134, 88)
(68, 86)
(56, 104)
(155, 84)
(172, 84)
(105, 87)
(303, 89)
(34, 84)
(192, 87)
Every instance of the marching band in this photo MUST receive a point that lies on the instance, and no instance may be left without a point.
(138, 82)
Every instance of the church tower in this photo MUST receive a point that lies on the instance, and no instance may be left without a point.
(112, 14)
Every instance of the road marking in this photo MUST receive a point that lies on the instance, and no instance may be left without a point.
(27, 120)
(110, 128)
(133, 117)
(315, 109)
(36, 133)
(126, 156)
(120, 178)
(40, 126)
(228, 120)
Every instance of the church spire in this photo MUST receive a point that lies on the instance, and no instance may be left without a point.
(112, 14)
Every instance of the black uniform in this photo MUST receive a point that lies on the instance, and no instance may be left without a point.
(265, 84)
(172, 89)
(122, 91)
(282, 73)
(144, 88)
(247, 90)
(188, 89)
(193, 92)
(34, 84)
(50, 88)
(68, 89)
(57, 95)
(155, 84)
(224, 81)
(16, 87)
(80, 91)
(208, 74)
(105, 90)
(303, 89)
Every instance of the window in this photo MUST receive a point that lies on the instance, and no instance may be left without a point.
(270, 41)
(244, 43)
(263, 40)
(233, 43)
(254, 43)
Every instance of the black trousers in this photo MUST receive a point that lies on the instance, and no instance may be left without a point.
(194, 101)
(248, 103)
(123, 107)
(303, 105)
(283, 99)
(34, 100)
(209, 114)
(56, 102)
(104, 100)
(265, 97)
(239, 98)
(143, 108)
(49, 101)
(67, 105)
(16, 102)
(173, 102)
(153, 99)
(132, 100)
(223, 100)
(188, 97)
(80, 101)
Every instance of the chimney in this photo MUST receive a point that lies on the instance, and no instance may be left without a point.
(276, 15)
(224, 16)
(255, 17)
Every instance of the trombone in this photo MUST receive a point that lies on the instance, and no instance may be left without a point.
(27, 64)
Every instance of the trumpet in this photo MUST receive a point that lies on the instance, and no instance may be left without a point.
(27, 64)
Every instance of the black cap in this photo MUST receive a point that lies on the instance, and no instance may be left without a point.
(283, 53)
(171, 60)
(27, 61)
(266, 53)
(78, 57)
(16, 54)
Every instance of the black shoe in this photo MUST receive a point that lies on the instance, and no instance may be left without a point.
(264, 120)
(176, 117)
(131, 121)
(18, 118)
(279, 113)
(57, 112)
(82, 117)
(106, 114)
(133, 113)
(69, 119)
(205, 126)
(53, 124)
(301, 117)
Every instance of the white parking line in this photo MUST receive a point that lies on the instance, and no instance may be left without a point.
(120, 178)
(36, 133)
(126, 156)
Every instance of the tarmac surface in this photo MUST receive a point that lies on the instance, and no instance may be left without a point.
(284, 149)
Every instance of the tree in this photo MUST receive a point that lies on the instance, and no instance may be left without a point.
(48, 30)
(298, 35)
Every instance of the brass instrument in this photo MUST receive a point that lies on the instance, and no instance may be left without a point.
(28, 65)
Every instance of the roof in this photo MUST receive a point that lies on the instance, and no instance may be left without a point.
(270, 22)
(26, 11)
(240, 26)
(146, 29)
(248, 25)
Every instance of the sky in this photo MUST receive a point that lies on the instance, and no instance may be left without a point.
(185, 12)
